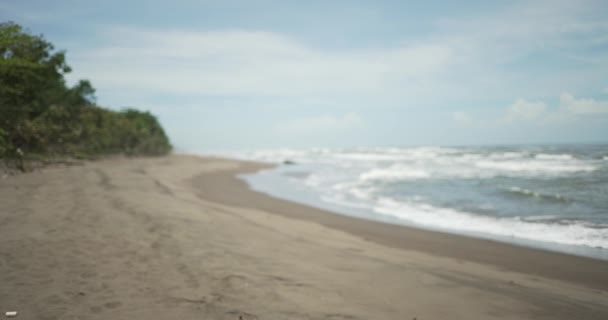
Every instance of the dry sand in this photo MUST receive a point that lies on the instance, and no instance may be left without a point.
(180, 238)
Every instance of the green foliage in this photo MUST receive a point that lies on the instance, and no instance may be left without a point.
(3, 143)
(40, 114)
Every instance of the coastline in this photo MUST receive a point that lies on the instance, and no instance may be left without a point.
(181, 237)
(512, 257)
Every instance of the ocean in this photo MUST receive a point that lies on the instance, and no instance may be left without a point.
(549, 197)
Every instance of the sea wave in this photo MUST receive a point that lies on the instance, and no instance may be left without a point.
(429, 162)
(394, 173)
(391, 164)
(535, 194)
(565, 232)
(536, 167)
(472, 167)
(544, 156)
(450, 188)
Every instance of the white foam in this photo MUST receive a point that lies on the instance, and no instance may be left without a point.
(507, 155)
(536, 194)
(360, 193)
(427, 162)
(472, 166)
(313, 180)
(542, 156)
(524, 191)
(394, 173)
(541, 218)
(349, 178)
(574, 233)
(532, 167)
(370, 157)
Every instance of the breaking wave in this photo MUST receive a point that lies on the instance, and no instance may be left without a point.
(549, 194)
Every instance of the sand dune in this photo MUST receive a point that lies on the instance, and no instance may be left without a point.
(179, 238)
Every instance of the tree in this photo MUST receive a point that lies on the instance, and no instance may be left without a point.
(31, 74)
(40, 114)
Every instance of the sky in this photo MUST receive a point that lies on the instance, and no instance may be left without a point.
(226, 75)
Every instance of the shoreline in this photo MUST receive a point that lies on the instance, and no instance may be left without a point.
(181, 237)
(259, 182)
(557, 265)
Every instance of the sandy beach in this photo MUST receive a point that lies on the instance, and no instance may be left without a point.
(180, 237)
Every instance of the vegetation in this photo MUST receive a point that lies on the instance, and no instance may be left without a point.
(41, 116)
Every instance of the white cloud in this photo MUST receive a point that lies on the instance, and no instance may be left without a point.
(605, 90)
(570, 108)
(494, 51)
(321, 124)
(525, 110)
(531, 25)
(460, 58)
(462, 118)
(250, 63)
(579, 107)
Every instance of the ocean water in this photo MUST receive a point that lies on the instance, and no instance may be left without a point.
(551, 197)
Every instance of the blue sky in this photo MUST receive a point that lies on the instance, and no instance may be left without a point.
(271, 74)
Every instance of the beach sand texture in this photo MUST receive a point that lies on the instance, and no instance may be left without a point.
(180, 237)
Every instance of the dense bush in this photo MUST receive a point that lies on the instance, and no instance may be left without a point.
(40, 115)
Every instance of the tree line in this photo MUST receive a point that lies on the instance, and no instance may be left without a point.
(41, 116)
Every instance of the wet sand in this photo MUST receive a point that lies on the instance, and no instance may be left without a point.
(181, 238)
